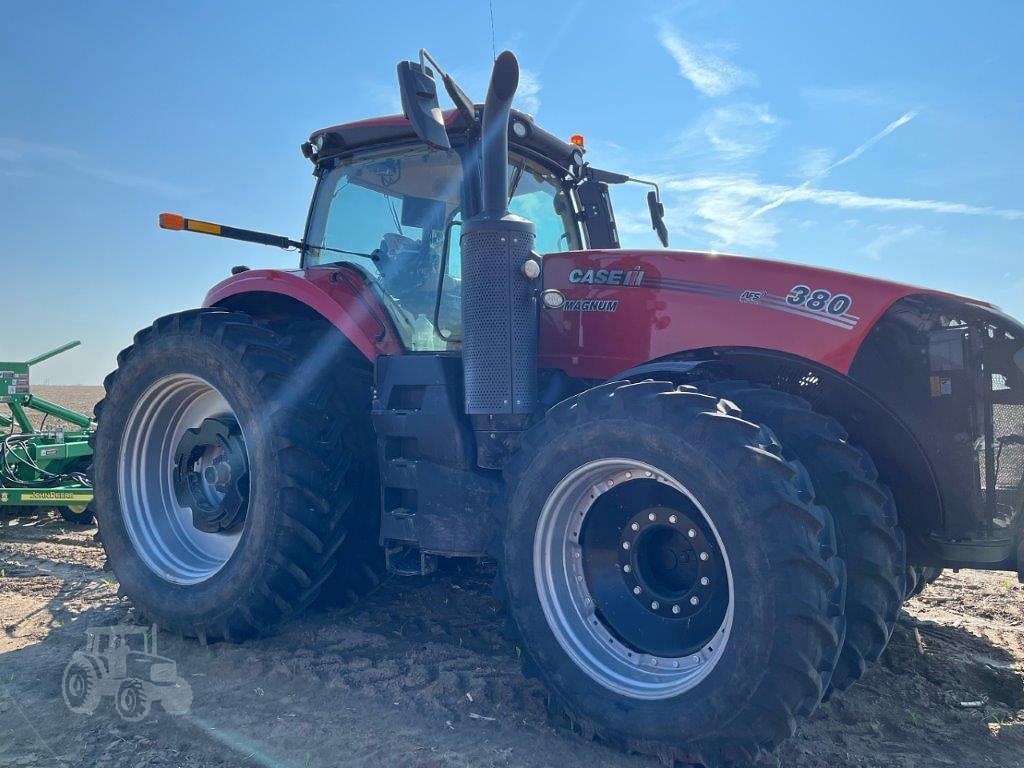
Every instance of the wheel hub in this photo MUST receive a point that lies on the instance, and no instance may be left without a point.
(586, 579)
(211, 475)
(667, 562)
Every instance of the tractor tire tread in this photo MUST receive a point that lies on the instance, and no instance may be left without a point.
(846, 480)
(803, 559)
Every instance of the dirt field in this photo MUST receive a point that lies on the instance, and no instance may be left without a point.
(419, 675)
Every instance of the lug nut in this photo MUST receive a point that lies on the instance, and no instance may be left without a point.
(692, 533)
(627, 568)
(655, 605)
(636, 590)
(652, 517)
(676, 609)
(625, 545)
(635, 526)
(672, 519)
(704, 581)
(648, 474)
(694, 600)
(703, 555)
(629, 475)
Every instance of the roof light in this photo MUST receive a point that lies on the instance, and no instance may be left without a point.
(576, 140)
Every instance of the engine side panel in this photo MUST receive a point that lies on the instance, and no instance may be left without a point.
(624, 308)
(339, 294)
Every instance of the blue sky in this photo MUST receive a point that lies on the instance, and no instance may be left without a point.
(875, 137)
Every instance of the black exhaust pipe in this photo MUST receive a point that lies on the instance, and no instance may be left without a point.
(499, 304)
(494, 149)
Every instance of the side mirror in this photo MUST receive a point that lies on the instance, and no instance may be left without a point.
(419, 103)
(657, 217)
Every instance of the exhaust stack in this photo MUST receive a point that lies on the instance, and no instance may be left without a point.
(499, 305)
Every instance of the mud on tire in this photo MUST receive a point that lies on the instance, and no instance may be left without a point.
(786, 581)
(300, 501)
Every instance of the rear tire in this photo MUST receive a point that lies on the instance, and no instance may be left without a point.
(299, 500)
(846, 481)
(785, 580)
(360, 566)
(80, 687)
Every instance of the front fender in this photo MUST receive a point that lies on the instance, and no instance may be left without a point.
(338, 294)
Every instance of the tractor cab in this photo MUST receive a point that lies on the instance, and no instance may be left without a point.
(393, 208)
(118, 640)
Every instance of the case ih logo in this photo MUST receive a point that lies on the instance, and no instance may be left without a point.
(607, 276)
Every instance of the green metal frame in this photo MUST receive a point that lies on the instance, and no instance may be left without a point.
(38, 451)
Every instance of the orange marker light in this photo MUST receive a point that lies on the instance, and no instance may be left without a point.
(576, 140)
(172, 221)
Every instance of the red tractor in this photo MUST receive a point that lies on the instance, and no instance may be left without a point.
(709, 482)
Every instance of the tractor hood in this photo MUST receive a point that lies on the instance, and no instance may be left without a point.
(623, 308)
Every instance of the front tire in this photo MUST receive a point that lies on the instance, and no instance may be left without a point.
(131, 701)
(265, 516)
(705, 683)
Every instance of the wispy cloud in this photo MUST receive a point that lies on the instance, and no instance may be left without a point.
(738, 131)
(793, 192)
(722, 207)
(528, 94)
(20, 152)
(888, 237)
(813, 162)
(752, 189)
(708, 72)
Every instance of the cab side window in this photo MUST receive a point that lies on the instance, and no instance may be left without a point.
(390, 216)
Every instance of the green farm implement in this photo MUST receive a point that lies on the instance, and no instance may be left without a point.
(42, 466)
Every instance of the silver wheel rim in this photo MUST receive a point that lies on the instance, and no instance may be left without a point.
(159, 527)
(569, 607)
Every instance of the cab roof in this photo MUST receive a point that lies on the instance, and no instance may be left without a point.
(342, 138)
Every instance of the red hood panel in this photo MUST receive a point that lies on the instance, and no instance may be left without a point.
(624, 308)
